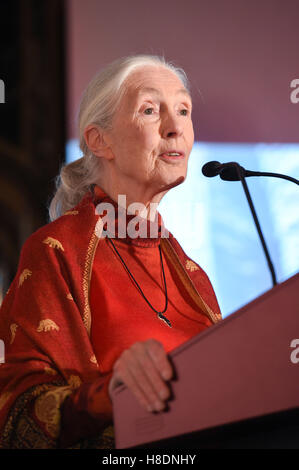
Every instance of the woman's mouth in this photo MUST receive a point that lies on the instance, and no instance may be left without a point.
(172, 155)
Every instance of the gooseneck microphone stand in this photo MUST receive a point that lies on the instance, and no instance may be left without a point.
(241, 173)
(232, 171)
(275, 175)
(227, 174)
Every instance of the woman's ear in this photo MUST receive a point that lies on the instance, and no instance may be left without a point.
(94, 138)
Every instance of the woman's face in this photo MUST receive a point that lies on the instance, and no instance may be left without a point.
(153, 119)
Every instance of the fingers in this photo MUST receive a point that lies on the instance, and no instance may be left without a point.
(156, 351)
(148, 377)
(129, 373)
(144, 367)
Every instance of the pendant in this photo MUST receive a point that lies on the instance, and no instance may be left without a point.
(161, 316)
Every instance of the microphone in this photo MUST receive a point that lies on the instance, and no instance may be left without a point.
(211, 169)
(232, 171)
(229, 172)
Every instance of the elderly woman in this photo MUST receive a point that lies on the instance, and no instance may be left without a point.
(92, 305)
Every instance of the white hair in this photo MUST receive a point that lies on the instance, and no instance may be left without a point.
(98, 106)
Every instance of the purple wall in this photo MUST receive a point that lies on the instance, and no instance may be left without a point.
(242, 56)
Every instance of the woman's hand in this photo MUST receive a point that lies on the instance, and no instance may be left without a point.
(144, 368)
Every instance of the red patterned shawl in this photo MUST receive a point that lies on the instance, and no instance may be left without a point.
(45, 316)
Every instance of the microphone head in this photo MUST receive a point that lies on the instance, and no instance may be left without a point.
(211, 169)
(230, 172)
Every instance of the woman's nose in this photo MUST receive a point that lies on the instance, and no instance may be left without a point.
(172, 126)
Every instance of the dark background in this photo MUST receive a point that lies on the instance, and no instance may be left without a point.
(32, 119)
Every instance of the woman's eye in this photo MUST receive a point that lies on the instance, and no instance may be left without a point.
(149, 111)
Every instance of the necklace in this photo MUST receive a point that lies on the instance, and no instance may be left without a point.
(159, 314)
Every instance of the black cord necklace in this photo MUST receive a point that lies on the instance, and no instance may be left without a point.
(159, 314)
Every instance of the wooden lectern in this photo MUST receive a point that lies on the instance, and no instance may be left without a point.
(236, 384)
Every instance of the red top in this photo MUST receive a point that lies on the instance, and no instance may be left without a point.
(121, 316)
